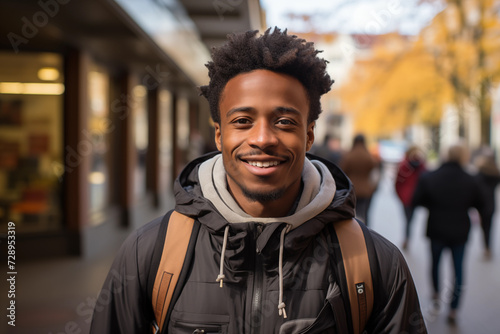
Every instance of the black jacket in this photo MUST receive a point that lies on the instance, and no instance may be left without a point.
(448, 193)
(247, 303)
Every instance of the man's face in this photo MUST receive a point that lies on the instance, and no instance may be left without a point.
(263, 135)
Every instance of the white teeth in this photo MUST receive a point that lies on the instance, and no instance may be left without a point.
(264, 164)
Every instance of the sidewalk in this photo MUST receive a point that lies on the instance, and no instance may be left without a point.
(55, 296)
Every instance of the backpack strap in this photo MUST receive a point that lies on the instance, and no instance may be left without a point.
(357, 271)
(178, 248)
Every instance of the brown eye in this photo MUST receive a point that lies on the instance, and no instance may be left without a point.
(241, 122)
(285, 122)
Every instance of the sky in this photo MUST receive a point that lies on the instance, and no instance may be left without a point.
(351, 16)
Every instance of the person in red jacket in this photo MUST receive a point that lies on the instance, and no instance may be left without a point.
(409, 171)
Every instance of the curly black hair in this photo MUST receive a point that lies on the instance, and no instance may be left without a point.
(275, 51)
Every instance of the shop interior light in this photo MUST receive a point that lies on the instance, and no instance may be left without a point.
(28, 88)
(48, 74)
(97, 178)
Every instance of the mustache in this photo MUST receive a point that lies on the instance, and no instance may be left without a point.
(260, 153)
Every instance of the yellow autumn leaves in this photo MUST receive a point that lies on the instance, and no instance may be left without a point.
(410, 79)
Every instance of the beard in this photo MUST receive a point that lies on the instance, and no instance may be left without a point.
(262, 197)
(259, 196)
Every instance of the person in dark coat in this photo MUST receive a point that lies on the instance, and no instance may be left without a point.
(488, 177)
(448, 193)
(407, 176)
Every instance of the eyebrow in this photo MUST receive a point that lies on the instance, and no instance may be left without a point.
(238, 109)
(288, 110)
(279, 110)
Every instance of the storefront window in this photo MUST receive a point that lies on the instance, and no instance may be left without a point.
(98, 127)
(31, 164)
(140, 124)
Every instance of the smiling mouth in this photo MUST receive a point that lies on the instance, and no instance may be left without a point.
(263, 164)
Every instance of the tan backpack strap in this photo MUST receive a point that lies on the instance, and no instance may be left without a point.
(174, 251)
(357, 271)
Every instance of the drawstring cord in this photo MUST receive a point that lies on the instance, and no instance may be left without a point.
(221, 276)
(281, 304)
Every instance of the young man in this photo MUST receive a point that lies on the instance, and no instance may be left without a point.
(263, 259)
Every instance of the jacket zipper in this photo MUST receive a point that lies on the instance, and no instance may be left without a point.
(256, 314)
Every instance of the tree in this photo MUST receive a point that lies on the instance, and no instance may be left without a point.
(463, 39)
(395, 87)
(455, 60)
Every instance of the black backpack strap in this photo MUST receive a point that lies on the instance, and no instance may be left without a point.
(378, 295)
(338, 271)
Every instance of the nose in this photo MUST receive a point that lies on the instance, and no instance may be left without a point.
(262, 136)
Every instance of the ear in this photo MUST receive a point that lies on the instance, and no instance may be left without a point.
(218, 136)
(310, 135)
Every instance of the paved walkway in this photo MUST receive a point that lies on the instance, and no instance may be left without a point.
(57, 296)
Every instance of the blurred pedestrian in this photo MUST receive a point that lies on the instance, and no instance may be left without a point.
(448, 193)
(488, 177)
(330, 149)
(407, 176)
(360, 166)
